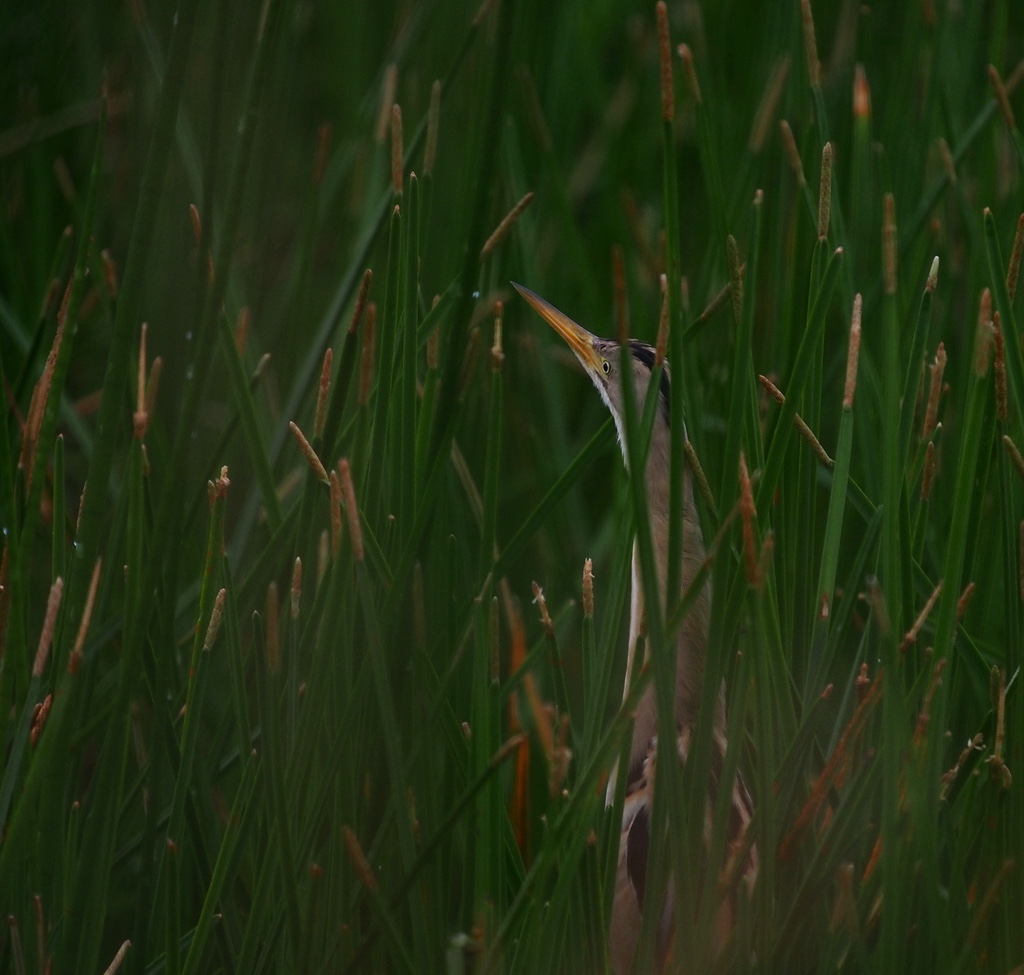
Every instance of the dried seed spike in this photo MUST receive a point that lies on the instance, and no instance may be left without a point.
(825, 192)
(933, 275)
(703, 485)
(691, 72)
(357, 312)
(861, 93)
(215, 618)
(366, 360)
(588, 588)
(323, 549)
(397, 150)
(987, 323)
(810, 45)
(876, 599)
(308, 452)
(273, 638)
(732, 255)
(109, 272)
(929, 471)
(999, 368)
(62, 312)
(114, 967)
(501, 231)
(1013, 270)
(889, 242)
(348, 495)
(296, 590)
(433, 120)
(242, 324)
(769, 103)
(387, 99)
(545, 619)
(716, 302)
(152, 385)
(335, 514)
(320, 417)
(911, 635)
(621, 300)
(965, 600)
(862, 682)
(1001, 97)
(197, 223)
(220, 485)
(661, 344)
(931, 412)
(139, 417)
(668, 109)
(359, 861)
(853, 355)
(977, 743)
(868, 693)
(323, 145)
(49, 624)
(749, 514)
(497, 353)
(798, 421)
(75, 659)
(792, 153)
(37, 406)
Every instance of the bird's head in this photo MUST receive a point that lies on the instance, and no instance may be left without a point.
(602, 360)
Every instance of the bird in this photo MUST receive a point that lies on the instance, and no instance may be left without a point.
(601, 360)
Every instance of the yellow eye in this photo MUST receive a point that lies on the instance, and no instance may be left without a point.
(606, 366)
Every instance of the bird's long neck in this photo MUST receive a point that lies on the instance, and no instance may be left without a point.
(692, 639)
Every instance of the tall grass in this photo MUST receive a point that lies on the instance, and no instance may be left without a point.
(279, 693)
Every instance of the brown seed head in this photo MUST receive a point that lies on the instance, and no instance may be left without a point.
(889, 243)
(810, 45)
(588, 588)
(387, 99)
(853, 355)
(348, 495)
(984, 337)
(433, 120)
(861, 93)
(825, 191)
(691, 72)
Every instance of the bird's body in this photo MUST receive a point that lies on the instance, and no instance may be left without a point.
(601, 359)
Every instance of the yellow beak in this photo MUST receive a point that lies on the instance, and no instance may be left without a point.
(578, 338)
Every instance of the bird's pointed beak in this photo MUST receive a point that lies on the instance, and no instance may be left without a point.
(578, 338)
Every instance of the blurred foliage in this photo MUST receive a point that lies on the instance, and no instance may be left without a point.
(211, 805)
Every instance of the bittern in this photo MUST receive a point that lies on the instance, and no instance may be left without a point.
(601, 359)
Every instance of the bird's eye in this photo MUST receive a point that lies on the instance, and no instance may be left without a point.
(606, 367)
